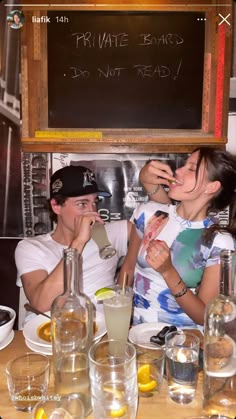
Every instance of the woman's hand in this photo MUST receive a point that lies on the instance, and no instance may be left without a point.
(158, 256)
(155, 173)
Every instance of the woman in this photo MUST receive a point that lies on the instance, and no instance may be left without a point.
(177, 273)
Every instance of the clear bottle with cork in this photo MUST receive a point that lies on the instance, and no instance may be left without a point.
(219, 384)
(72, 334)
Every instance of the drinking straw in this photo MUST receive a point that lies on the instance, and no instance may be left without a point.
(124, 283)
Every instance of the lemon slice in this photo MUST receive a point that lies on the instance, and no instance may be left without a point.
(148, 386)
(40, 414)
(118, 395)
(144, 374)
(145, 381)
(104, 294)
(119, 412)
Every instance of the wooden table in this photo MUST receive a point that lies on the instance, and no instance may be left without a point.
(160, 406)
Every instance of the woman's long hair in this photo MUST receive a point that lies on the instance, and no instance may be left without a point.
(221, 166)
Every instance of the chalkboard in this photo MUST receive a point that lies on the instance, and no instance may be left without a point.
(125, 69)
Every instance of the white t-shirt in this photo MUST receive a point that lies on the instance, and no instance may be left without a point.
(190, 255)
(42, 252)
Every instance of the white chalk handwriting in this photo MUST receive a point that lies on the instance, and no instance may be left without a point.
(106, 40)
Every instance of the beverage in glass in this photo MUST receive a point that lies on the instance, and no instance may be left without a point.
(117, 311)
(27, 380)
(182, 359)
(219, 379)
(72, 333)
(71, 374)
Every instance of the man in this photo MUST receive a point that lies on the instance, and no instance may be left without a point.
(73, 198)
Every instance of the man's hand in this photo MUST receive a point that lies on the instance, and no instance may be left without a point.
(82, 229)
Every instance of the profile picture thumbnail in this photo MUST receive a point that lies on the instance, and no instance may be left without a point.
(16, 19)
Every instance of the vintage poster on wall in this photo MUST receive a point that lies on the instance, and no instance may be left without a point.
(116, 173)
(35, 187)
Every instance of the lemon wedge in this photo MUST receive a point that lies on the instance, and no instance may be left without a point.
(151, 385)
(40, 414)
(119, 412)
(144, 373)
(104, 294)
(118, 395)
(145, 381)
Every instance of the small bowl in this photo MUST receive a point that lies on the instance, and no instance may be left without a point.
(6, 328)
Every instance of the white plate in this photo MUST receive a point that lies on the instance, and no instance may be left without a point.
(142, 332)
(37, 348)
(30, 331)
(31, 335)
(7, 341)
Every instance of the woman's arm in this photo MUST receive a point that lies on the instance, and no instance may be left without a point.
(130, 259)
(152, 176)
(158, 257)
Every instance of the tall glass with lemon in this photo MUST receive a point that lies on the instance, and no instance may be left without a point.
(113, 381)
(117, 303)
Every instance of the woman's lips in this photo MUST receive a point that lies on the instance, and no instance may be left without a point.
(175, 182)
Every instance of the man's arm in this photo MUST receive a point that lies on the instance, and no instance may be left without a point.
(42, 288)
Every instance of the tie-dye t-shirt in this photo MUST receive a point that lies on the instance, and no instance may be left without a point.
(190, 255)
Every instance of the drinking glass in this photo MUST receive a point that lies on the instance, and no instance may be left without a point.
(27, 380)
(113, 381)
(99, 235)
(117, 311)
(150, 362)
(66, 406)
(182, 357)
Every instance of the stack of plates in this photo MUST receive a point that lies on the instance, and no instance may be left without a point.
(32, 340)
(36, 344)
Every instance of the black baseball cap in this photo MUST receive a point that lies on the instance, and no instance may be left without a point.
(71, 181)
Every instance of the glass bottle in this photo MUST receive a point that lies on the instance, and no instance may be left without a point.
(72, 334)
(219, 384)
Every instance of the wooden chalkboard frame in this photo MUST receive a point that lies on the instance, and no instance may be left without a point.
(36, 136)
